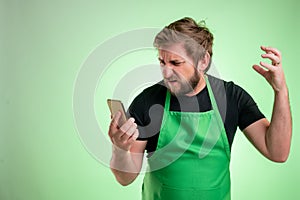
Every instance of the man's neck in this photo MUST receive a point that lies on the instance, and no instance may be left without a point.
(199, 87)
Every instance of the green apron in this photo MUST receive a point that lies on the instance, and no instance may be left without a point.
(192, 157)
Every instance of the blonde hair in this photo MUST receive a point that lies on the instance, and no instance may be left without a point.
(196, 38)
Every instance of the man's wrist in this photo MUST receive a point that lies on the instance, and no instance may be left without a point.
(117, 151)
(282, 92)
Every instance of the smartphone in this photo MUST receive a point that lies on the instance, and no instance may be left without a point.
(115, 106)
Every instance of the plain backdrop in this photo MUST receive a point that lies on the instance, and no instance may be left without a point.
(43, 45)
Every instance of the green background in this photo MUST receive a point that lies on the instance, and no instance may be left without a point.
(43, 45)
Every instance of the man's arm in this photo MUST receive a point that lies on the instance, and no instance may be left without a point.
(273, 139)
(128, 153)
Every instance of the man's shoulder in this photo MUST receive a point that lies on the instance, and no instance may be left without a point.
(223, 85)
(153, 90)
(151, 95)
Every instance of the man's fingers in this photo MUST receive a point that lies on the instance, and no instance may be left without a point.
(134, 136)
(271, 50)
(127, 125)
(113, 127)
(275, 59)
(129, 132)
(117, 132)
(259, 69)
(115, 119)
(267, 66)
(124, 136)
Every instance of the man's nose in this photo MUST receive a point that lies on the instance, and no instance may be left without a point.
(167, 71)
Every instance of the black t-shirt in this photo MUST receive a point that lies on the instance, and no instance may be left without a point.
(236, 107)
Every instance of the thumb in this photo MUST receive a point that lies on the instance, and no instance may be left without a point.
(259, 70)
(115, 119)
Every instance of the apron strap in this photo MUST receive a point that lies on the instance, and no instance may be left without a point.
(218, 116)
(211, 96)
(167, 102)
(213, 100)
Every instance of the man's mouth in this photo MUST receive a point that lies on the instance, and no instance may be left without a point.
(172, 83)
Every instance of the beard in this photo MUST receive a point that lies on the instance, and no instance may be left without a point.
(181, 86)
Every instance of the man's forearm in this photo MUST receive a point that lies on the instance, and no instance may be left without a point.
(278, 137)
(123, 166)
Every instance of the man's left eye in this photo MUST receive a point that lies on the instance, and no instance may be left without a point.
(176, 63)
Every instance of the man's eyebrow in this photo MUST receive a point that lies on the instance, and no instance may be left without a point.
(177, 60)
(173, 60)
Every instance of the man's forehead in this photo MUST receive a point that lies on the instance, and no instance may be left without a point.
(163, 54)
(175, 51)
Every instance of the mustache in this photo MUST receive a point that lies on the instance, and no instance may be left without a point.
(172, 78)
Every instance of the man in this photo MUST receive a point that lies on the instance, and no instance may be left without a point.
(188, 141)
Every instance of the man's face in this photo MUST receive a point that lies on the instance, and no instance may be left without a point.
(178, 70)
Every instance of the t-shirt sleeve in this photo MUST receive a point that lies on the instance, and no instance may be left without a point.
(147, 111)
(137, 110)
(248, 111)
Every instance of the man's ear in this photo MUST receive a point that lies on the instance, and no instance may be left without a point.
(204, 62)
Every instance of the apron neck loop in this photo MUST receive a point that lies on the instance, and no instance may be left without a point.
(210, 93)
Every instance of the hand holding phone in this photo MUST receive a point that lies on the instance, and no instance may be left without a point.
(123, 133)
